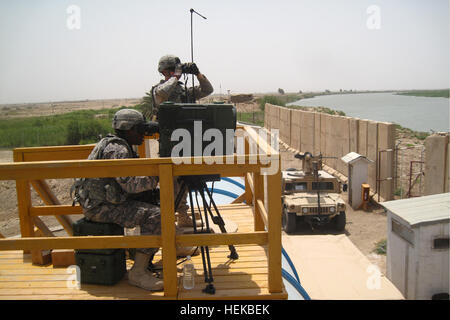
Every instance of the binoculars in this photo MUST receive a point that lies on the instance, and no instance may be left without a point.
(148, 128)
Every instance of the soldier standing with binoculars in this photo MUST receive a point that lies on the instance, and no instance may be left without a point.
(171, 89)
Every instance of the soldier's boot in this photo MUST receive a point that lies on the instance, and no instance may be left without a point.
(140, 277)
(187, 251)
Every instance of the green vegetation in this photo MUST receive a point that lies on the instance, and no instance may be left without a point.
(443, 93)
(380, 247)
(399, 192)
(146, 106)
(280, 100)
(320, 109)
(256, 118)
(78, 127)
(411, 133)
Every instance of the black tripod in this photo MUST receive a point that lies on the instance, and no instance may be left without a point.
(197, 184)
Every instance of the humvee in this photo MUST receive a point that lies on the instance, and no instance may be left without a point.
(311, 195)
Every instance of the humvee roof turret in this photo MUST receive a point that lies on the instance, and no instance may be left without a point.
(312, 195)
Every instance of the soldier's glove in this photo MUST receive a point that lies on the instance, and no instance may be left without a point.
(190, 68)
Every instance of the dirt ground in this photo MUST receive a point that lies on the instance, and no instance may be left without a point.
(52, 108)
(364, 229)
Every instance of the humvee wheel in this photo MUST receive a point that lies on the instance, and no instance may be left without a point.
(289, 221)
(340, 221)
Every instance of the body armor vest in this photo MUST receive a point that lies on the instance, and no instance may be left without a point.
(90, 192)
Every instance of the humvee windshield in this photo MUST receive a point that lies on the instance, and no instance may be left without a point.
(299, 186)
(323, 186)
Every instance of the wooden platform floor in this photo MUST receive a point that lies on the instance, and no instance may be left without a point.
(245, 278)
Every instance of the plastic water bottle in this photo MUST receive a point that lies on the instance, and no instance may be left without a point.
(188, 274)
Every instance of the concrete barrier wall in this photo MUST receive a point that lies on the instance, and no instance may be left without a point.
(285, 125)
(386, 142)
(295, 129)
(437, 164)
(335, 136)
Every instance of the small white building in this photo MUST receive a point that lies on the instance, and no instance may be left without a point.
(418, 245)
(358, 168)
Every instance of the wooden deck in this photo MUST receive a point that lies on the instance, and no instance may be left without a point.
(245, 278)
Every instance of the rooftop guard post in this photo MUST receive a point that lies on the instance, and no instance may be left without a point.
(64, 162)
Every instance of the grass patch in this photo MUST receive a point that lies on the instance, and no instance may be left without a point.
(442, 93)
(78, 127)
(380, 247)
(320, 109)
(279, 100)
(256, 118)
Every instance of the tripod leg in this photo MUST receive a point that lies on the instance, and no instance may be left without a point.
(209, 287)
(180, 195)
(204, 251)
(191, 202)
(219, 221)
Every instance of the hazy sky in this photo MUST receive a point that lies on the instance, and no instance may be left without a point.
(110, 49)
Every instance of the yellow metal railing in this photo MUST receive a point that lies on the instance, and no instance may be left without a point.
(33, 165)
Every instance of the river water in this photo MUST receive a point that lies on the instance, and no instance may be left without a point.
(416, 113)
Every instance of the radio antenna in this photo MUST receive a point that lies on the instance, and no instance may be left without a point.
(192, 47)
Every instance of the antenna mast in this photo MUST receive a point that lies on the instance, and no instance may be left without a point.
(192, 47)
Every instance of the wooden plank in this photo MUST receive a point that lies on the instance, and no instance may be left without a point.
(41, 257)
(264, 146)
(258, 195)
(262, 211)
(46, 194)
(80, 168)
(225, 170)
(259, 237)
(53, 153)
(85, 242)
(63, 257)
(32, 278)
(55, 210)
(251, 189)
(119, 290)
(274, 229)
(120, 168)
(168, 230)
(42, 227)
(239, 199)
(231, 264)
(248, 182)
(23, 207)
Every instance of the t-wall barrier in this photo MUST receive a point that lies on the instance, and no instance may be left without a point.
(335, 136)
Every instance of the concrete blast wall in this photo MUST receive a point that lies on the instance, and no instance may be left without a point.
(335, 136)
(437, 173)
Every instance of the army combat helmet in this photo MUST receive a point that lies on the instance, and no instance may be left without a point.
(125, 119)
(168, 62)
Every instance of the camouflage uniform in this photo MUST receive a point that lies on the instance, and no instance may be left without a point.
(112, 200)
(174, 90)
